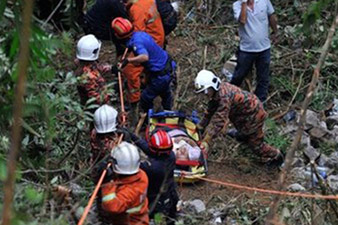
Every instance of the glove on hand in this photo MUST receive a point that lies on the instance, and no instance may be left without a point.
(124, 63)
(126, 134)
(115, 69)
(98, 170)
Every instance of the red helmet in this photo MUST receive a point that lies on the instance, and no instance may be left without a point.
(160, 142)
(123, 28)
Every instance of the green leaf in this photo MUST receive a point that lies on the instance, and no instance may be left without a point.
(33, 195)
(3, 170)
(2, 8)
(14, 45)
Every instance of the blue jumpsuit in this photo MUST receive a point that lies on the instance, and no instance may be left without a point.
(160, 69)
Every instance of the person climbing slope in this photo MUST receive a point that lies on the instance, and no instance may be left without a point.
(160, 68)
(122, 198)
(228, 103)
(144, 16)
(104, 136)
(90, 82)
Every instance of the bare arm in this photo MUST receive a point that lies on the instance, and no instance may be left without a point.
(138, 59)
(242, 17)
(273, 23)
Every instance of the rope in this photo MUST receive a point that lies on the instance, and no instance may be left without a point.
(98, 185)
(272, 192)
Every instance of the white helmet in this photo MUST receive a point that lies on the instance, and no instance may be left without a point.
(206, 79)
(105, 119)
(126, 159)
(88, 48)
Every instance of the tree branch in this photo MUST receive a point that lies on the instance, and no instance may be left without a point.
(271, 217)
(17, 111)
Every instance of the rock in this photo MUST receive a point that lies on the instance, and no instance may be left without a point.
(296, 187)
(76, 189)
(333, 160)
(290, 128)
(334, 133)
(323, 161)
(298, 173)
(318, 132)
(297, 162)
(198, 205)
(333, 182)
(311, 152)
(332, 121)
(312, 120)
(305, 141)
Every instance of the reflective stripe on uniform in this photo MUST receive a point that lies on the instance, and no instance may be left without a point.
(109, 197)
(135, 209)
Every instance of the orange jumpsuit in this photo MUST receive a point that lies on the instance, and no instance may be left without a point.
(145, 17)
(124, 200)
(91, 84)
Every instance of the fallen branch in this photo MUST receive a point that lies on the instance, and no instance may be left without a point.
(271, 217)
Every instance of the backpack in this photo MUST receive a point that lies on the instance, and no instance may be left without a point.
(168, 15)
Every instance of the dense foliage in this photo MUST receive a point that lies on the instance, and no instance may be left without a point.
(55, 148)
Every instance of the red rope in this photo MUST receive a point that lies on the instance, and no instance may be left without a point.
(273, 192)
(98, 185)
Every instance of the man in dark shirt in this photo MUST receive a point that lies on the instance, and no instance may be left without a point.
(98, 20)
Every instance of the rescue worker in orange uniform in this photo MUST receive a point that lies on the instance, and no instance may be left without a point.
(123, 194)
(228, 103)
(90, 82)
(144, 16)
(104, 136)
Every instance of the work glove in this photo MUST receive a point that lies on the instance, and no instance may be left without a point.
(131, 135)
(124, 63)
(98, 170)
(115, 70)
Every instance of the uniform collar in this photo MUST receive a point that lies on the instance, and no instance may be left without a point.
(129, 179)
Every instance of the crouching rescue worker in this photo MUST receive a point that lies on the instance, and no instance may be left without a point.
(103, 137)
(90, 82)
(159, 167)
(229, 103)
(160, 68)
(123, 194)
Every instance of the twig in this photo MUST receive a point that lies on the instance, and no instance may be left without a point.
(17, 111)
(290, 155)
(52, 13)
(297, 90)
(72, 148)
(205, 56)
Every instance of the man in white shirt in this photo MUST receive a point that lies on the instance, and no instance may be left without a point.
(254, 17)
